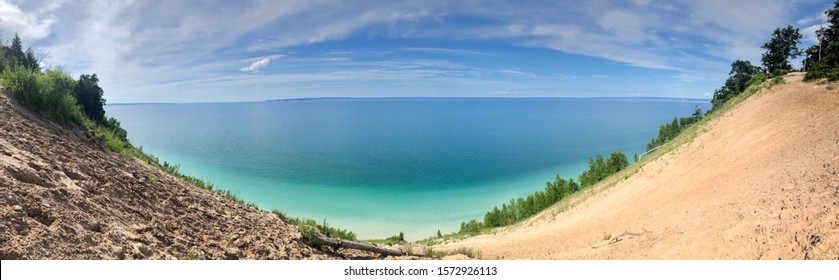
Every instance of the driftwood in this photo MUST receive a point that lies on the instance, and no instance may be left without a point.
(340, 243)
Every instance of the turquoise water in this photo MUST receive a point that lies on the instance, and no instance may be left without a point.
(381, 166)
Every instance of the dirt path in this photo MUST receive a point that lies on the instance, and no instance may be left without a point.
(761, 182)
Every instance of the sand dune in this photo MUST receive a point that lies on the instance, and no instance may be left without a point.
(759, 182)
(65, 195)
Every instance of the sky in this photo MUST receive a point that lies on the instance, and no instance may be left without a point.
(220, 51)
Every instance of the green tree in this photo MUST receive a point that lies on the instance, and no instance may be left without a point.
(738, 79)
(17, 48)
(831, 33)
(779, 49)
(89, 95)
(828, 66)
(824, 57)
(697, 113)
(29, 60)
(617, 161)
(8, 55)
(811, 56)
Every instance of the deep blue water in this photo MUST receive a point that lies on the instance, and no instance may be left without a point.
(380, 166)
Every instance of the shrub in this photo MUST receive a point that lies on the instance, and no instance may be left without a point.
(309, 228)
(114, 142)
(57, 88)
(399, 238)
(828, 66)
(780, 72)
(471, 227)
(24, 85)
(756, 80)
(47, 93)
(777, 81)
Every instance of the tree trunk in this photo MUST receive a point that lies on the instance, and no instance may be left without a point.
(339, 243)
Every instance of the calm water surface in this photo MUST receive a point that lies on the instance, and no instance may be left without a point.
(380, 166)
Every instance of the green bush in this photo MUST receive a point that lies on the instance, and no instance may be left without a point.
(399, 238)
(776, 81)
(756, 80)
(111, 140)
(47, 93)
(828, 66)
(24, 85)
(309, 227)
(780, 72)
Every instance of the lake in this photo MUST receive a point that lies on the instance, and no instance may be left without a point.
(384, 165)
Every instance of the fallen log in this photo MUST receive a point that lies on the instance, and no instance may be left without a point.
(340, 243)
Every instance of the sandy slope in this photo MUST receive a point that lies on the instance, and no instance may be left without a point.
(761, 182)
(64, 195)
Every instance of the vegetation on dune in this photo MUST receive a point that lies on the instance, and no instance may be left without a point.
(54, 94)
(46, 93)
(13, 56)
(667, 132)
(309, 228)
(468, 252)
(738, 79)
(780, 49)
(822, 59)
(525, 207)
(744, 79)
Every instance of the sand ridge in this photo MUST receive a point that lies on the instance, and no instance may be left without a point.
(760, 182)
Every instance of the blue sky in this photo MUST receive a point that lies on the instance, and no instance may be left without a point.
(208, 51)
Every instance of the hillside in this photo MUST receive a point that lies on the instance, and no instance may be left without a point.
(65, 195)
(760, 181)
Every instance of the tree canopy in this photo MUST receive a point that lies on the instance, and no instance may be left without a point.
(831, 33)
(14, 55)
(738, 79)
(822, 60)
(89, 95)
(782, 47)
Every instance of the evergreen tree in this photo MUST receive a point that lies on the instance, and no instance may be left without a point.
(29, 61)
(17, 48)
(89, 95)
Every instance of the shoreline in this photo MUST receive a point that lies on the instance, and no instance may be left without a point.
(449, 200)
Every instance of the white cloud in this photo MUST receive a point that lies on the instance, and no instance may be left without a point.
(256, 66)
(624, 25)
(28, 26)
(130, 44)
(809, 34)
(821, 17)
(335, 21)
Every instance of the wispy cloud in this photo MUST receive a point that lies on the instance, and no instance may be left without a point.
(448, 51)
(168, 46)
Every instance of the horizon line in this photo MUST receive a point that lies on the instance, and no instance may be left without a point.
(406, 97)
